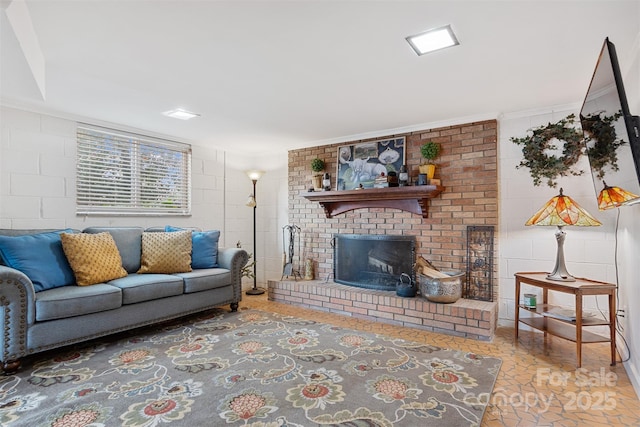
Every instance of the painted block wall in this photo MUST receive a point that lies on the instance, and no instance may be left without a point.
(37, 188)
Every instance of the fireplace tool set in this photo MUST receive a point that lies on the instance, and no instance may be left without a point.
(293, 232)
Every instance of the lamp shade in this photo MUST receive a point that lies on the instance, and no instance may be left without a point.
(562, 210)
(613, 197)
(254, 175)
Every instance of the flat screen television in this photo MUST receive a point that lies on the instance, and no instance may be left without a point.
(612, 133)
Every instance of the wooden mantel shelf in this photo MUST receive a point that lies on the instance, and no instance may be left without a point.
(413, 199)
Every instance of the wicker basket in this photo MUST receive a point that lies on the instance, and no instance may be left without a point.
(445, 290)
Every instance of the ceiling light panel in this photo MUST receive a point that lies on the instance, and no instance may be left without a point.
(432, 40)
(181, 114)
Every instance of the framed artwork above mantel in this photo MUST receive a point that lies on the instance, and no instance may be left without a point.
(359, 164)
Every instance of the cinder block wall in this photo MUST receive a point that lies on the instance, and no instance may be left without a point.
(467, 167)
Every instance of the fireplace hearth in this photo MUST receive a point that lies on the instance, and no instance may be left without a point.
(372, 261)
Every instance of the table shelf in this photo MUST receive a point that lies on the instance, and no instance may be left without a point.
(561, 329)
(541, 310)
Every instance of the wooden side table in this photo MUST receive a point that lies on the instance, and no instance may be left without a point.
(546, 320)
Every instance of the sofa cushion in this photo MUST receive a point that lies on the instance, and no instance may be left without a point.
(68, 301)
(205, 247)
(40, 256)
(205, 279)
(166, 252)
(94, 258)
(129, 243)
(145, 287)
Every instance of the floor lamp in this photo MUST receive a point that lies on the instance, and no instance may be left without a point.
(254, 176)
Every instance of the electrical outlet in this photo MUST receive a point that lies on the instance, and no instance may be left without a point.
(621, 316)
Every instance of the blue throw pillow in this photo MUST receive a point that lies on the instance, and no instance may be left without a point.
(39, 256)
(204, 252)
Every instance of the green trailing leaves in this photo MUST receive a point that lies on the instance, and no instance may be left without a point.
(602, 142)
(536, 149)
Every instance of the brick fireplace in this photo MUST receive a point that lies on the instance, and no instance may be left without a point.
(467, 168)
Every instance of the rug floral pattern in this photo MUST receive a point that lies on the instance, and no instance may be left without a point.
(249, 368)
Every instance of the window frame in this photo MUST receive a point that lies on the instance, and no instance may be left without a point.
(131, 181)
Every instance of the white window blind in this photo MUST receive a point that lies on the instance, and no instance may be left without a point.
(124, 173)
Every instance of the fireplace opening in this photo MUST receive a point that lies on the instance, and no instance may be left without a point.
(372, 261)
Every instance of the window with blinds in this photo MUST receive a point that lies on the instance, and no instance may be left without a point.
(128, 174)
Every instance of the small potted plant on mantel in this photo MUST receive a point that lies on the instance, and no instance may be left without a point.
(317, 166)
(429, 151)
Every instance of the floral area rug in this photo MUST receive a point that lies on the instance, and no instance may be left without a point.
(249, 368)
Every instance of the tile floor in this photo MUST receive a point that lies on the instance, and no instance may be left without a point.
(538, 384)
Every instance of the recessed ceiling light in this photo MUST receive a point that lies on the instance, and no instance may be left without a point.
(181, 114)
(432, 40)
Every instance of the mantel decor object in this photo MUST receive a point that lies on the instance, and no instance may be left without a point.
(317, 166)
(326, 181)
(403, 176)
(429, 152)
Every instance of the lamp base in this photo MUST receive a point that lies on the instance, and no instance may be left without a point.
(255, 291)
(560, 272)
(561, 278)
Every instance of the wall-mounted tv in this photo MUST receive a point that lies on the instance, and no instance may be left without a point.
(612, 133)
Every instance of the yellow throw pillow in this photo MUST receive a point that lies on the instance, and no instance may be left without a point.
(94, 258)
(166, 252)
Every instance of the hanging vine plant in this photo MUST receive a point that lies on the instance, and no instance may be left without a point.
(535, 149)
(600, 129)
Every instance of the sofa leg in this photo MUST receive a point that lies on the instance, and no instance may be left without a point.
(234, 306)
(10, 367)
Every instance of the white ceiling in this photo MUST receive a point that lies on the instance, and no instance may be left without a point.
(270, 75)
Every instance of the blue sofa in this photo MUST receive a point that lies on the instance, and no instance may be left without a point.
(36, 320)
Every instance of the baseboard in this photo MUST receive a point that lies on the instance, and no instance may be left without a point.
(634, 375)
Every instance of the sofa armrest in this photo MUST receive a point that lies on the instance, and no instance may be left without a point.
(234, 259)
(17, 311)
